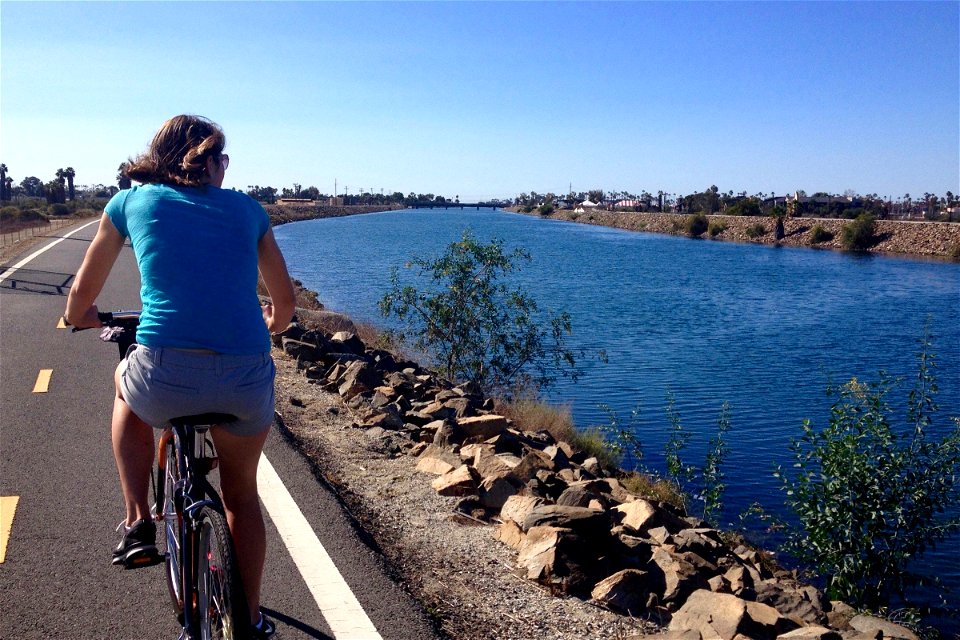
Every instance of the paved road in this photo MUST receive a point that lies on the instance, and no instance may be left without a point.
(56, 580)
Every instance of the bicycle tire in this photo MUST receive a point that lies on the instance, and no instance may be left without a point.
(221, 604)
(168, 476)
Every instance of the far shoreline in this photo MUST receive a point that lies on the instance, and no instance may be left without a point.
(913, 239)
(909, 239)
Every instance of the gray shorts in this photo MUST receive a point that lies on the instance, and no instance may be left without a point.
(161, 383)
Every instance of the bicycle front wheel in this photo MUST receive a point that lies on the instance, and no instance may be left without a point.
(221, 605)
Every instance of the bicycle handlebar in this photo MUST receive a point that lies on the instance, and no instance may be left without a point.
(124, 319)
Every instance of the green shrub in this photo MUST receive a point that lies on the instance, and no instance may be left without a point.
(818, 234)
(474, 326)
(697, 225)
(546, 208)
(755, 230)
(32, 214)
(870, 496)
(716, 228)
(58, 210)
(859, 234)
(9, 214)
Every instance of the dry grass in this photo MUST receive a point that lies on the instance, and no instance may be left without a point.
(650, 488)
(529, 413)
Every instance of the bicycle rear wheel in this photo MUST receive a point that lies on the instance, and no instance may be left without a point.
(221, 605)
(168, 476)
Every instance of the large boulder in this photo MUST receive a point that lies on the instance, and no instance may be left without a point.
(301, 351)
(580, 519)
(518, 507)
(559, 558)
(814, 632)
(483, 427)
(799, 602)
(346, 342)
(626, 591)
(725, 616)
(358, 378)
(457, 482)
(679, 577)
(871, 625)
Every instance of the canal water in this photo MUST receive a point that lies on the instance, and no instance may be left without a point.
(761, 328)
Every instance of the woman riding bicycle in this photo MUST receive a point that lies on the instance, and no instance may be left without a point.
(203, 340)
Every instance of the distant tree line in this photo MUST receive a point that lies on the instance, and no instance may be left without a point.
(270, 195)
(58, 190)
(848, 205)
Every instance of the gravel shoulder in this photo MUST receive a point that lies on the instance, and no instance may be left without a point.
(463, 576)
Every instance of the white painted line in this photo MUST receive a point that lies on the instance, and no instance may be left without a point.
(339, 606)
(6, 274)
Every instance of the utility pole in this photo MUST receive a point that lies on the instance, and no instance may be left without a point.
(334, 187)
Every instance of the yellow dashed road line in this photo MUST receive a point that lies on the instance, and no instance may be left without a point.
(8, 505)
(43, 381)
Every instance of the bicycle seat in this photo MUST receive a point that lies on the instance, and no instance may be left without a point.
(204, 419)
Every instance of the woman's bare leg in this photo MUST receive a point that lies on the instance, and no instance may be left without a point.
(133, 452)
(239, 456)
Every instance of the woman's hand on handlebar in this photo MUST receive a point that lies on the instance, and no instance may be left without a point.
(88, 320)
(267, 308)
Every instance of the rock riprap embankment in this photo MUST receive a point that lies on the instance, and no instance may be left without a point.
(940, 239)
(572, 526)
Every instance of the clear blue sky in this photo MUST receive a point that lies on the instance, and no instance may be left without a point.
(493, 99)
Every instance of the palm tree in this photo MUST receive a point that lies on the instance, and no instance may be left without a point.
(70, 173)
(59, 195)
(3, 182)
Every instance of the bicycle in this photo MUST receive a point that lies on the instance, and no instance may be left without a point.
(201, 569)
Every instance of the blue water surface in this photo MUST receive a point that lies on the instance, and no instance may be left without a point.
(764, 329)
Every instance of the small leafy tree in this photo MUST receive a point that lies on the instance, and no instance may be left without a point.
(681, 474)
(474, 325)
(871, 497)
(712, 476)
(706, 484)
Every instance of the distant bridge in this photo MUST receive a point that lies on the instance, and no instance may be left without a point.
(455, 205)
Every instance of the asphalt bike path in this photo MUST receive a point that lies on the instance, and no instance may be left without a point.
(60, 500)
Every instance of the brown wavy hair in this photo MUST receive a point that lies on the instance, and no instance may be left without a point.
(178, 154)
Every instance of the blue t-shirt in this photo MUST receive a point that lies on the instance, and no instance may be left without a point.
(197, 252)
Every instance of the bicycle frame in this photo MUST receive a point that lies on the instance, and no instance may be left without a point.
(192, 492)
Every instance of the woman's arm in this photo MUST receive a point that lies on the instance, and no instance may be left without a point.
(102, 253)
(273, 268)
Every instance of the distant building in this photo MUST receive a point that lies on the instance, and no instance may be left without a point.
(586, 205)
